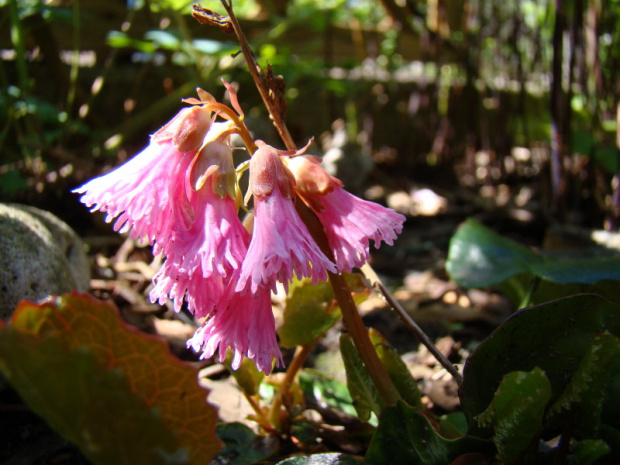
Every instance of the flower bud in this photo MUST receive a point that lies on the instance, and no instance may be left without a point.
(214, 160)
(310, 177)
(267, 172)
(187, 129)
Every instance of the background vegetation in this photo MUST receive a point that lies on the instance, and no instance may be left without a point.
(512, 100)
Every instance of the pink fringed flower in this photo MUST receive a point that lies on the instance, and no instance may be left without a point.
(214, 246)
(200, 293)
(148, 193)
(245, 324)
(281, 244)
(349, 222)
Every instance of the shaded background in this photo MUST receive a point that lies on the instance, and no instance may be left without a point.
(508, 106)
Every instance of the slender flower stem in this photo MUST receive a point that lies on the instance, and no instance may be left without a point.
(261, 419)
(255, 70)
(350, 314)
(301, 354)
(228, 113)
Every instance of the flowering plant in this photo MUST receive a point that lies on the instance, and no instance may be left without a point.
(182, 195)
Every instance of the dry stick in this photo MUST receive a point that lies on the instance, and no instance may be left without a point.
(348, 307)
(371, 276)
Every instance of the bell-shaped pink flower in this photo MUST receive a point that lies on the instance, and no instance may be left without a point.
(349, 222)
(147, 194)
(201, 258)
(200, 293)
(245, 324)
(281, 244)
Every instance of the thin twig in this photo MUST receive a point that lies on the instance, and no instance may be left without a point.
(376, 283)
(301, 355)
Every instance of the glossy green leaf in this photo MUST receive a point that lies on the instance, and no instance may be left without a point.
(403, 380)
(326, 390)
(119, 39)
(479, 257)
(242, 446)
(311, 310)
(516, 412)
(115, 392)
(366, 398)
(554, 337)
(405, 436)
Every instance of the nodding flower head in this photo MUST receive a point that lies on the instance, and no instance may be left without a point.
(267, 173)
(349, 222)
(281, 245)
(181, 193)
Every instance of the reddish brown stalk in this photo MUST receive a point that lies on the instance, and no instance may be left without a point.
(301, 355)
(269, 96)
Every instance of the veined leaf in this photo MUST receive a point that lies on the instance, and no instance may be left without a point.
(115, 392)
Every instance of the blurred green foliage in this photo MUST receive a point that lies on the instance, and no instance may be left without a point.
(82, 84)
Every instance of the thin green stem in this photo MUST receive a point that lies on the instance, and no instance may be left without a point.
(75, 57)
(300, 357)
(17, 37)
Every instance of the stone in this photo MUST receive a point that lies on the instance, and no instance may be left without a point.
(40, 255)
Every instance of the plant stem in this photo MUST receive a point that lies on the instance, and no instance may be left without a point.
(301, 354)
(370, 274)
(255, 71)
(350, 314)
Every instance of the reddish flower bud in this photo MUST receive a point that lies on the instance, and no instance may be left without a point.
(187, 129)
(267, 172)
(310, 177)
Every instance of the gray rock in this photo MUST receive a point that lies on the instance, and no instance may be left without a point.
(39, 255)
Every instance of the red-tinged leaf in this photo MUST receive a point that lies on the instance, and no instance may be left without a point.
(115, 392)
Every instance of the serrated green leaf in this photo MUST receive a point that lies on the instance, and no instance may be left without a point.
(516, 412)
(405, 436)
(587, 386)
(554, 337)
(311, 310)
(588, 451)
(400, 375)
(366, 398)
(118, 394)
